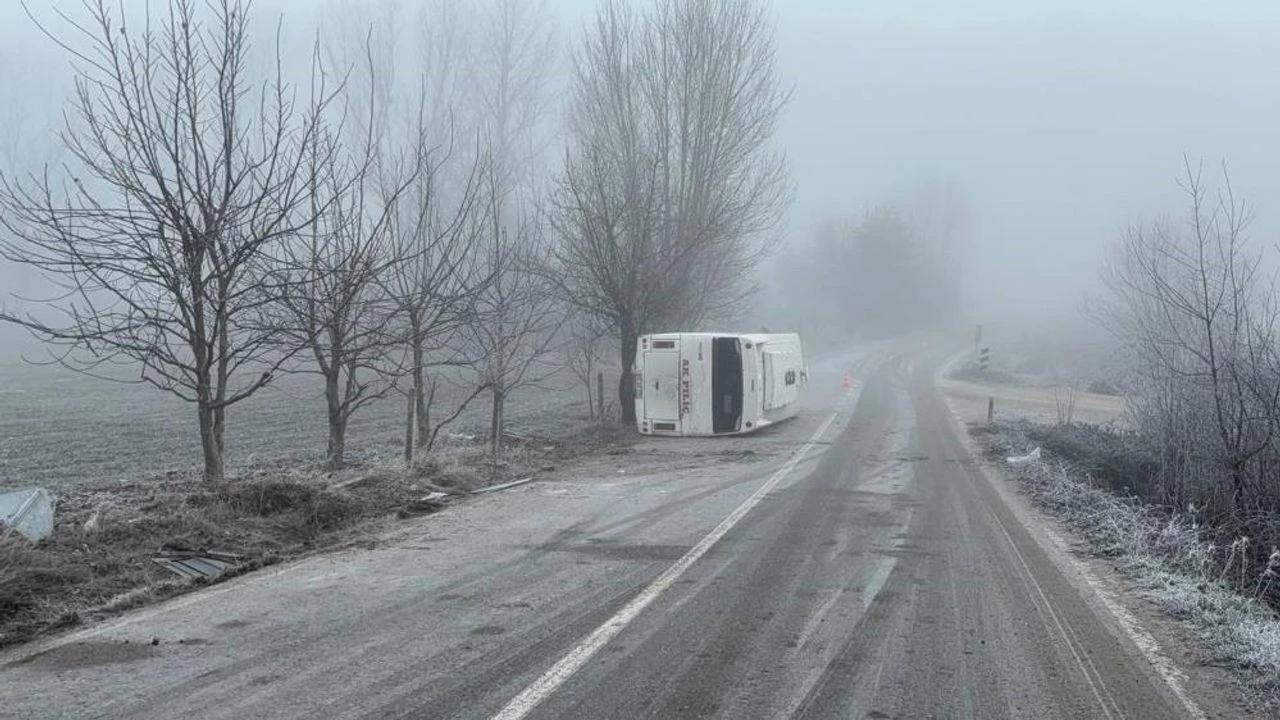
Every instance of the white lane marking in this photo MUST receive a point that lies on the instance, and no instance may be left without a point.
(529, 698)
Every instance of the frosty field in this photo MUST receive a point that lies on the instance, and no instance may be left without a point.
(60, 429)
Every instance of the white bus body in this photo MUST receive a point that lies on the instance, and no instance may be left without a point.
(716, 383)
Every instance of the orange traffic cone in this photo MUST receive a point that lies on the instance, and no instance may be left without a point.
(847, 383)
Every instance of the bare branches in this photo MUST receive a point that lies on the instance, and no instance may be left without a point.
(512, 63)
(182, 180)
(1190, 304)
(339, 305)
(517, 313)
(581, 348)
(437, 287)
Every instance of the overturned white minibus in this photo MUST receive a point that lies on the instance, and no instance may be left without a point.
(716, 383)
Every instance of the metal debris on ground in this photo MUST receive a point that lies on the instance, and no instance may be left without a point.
(503, 486)
(28, 513)
(424, 505)
(197, 563)
(1027, 459)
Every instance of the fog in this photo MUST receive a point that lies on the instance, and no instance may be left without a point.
(1061, 124)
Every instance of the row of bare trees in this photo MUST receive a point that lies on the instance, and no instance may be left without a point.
(1198, 317)
(386, 227)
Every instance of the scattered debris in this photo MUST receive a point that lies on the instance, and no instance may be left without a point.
(197, 563)
(1020, 460)
(424, 505)
(28, 513)
(503, 486)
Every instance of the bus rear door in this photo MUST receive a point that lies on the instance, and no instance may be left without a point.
(662, 389)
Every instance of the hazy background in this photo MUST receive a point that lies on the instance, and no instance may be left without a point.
(1060, 121)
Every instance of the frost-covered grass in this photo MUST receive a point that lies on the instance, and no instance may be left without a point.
(62, 430)
(1169, 558)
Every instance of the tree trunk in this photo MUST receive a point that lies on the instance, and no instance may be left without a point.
(337, 442)
(626, 380)
(591, 401)
(495, 422)
(420, 392)
(220, 430)
(1237, 484)
(408, 428)
(337, 423)
(209, 442)
(423, 414)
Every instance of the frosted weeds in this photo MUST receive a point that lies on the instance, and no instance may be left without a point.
(1172, 565)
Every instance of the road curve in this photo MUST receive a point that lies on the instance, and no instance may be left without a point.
(881, 576)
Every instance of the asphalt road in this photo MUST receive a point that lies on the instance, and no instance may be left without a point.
(853, 563)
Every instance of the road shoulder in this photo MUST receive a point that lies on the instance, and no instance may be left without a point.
(1167, 646)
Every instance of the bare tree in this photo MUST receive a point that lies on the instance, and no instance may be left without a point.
(513, 50)
(1189, 305)
(418, 71)
(188, 179)
(514, 53)
(518, 315)
(438, 287)
(581, 347)
(670, 188)
(340, 307)
(443, 38)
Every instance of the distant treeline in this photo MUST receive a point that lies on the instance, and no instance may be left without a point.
(893, 270)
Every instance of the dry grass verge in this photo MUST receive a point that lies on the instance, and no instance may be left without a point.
(98, 562)
(1168, 554)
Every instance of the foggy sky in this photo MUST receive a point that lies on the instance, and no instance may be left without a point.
(1063, 121)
